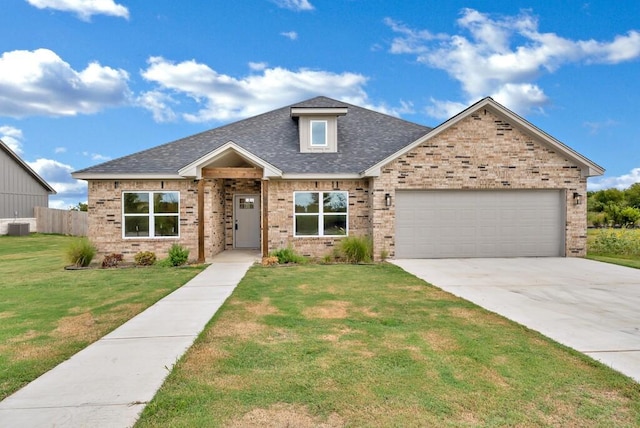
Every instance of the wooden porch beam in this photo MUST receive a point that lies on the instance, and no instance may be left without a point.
(265, 218)
(201, 221)
(231, 172)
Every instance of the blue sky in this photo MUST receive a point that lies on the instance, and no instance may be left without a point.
(85, 81)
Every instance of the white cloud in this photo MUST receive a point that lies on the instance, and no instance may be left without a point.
(69, 190)
(40, 83)
(503, 56)
(85, 9)
(297, 5)
(620, 182)
(444, 109)
(292, 35)
(12, 137)
(220, 97)
(257, 66)
(96, 156)
(158, 103)
(60, 150)
(596, 127)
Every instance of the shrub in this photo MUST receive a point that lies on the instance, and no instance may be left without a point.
(80, 252)
(269, 261)
(178, 255)
(357, 249)
(597, 220)
(112, 260)
(145, 258)
(288, 255)
(623, 242)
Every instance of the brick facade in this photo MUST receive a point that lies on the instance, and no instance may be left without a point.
(105, 217)
(281, 215)
(480, 152)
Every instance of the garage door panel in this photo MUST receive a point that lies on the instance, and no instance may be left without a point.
(511, 223)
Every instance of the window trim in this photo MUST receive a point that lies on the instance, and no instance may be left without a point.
(326, 133)
(151, 215)
(320, 214)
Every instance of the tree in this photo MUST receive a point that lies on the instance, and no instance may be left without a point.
(82, 206)
(632, 195)
(629, 216)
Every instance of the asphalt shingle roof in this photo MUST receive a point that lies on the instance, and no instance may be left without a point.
(365, 137)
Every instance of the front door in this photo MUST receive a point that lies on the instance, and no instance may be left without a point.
(246, 229)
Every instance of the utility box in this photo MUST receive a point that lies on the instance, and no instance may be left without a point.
(18, 229)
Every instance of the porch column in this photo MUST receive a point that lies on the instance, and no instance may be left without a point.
(201, 220)
(265, 218)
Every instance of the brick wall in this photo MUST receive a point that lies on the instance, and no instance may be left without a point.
(215, 211)
(281, 214)
(105, 217)
(480, 152)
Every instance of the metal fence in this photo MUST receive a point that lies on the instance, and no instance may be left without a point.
(65, 222)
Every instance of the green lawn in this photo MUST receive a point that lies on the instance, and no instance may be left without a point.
(49, 313)
(351, 345)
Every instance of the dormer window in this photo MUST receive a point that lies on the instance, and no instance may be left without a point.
(318, 128)
(319, 133)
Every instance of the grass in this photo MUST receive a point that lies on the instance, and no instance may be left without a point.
(617, 246)
(353, 345)
(47, 313)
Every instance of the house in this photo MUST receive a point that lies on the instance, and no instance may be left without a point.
(21, 189)
(485, 183)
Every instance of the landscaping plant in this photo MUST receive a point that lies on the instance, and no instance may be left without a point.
(112, 260)
(145, 258)
(178, 255)
(288, 255)
(80, 252)
(357, 249)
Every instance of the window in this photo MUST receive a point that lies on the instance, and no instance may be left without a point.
(246, 203)
(318, 132)
(151, 214)
(321, 213)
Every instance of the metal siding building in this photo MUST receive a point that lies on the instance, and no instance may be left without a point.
(21, 188)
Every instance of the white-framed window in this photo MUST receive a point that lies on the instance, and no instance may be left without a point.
(321, 213)
(318, 132)
(150, 214)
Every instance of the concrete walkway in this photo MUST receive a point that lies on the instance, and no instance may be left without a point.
(587, 305)
(108, 383)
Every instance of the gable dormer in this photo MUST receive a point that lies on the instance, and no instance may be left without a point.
(318, 124)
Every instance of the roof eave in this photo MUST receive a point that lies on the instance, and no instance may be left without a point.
(321, 176)
(121, 176)
(318, 111)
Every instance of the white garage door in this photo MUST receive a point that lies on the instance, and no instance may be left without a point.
(486, 223)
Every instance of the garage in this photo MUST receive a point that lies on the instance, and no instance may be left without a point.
(479, 223)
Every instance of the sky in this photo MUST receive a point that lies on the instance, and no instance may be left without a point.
(86, 81)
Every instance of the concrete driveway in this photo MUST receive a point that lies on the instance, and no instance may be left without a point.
(590, 306)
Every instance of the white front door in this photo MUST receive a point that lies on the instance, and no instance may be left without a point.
(246, 228)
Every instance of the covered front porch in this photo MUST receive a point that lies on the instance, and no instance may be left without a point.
(232, 201)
